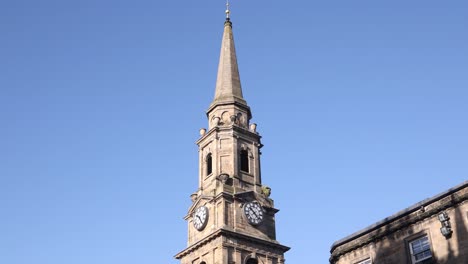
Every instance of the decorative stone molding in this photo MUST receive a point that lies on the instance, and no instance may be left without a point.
(253, 128)
(215, 121)
(202, 131)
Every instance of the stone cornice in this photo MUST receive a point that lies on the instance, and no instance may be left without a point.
(228, 233)
(199, 244)
(255, 137)
(269, 244)
(232, 102)
(247, 132)
(208, 134)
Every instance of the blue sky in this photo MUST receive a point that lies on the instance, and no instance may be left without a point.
(362, 106)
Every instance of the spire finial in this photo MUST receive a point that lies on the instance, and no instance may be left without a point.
(228, 10)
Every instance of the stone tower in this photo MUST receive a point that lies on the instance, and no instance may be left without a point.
(232, 218)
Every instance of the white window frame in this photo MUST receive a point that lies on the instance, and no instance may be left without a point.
(419, 240)
(365, 261)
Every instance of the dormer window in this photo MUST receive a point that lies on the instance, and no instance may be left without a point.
(209, 164)
(244, 161)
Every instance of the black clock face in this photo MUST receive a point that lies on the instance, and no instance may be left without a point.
(200, 217)
(254, 212)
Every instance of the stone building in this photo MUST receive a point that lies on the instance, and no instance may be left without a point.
(232, 218)
(432, 231)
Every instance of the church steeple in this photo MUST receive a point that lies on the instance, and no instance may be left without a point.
(232, 216)
(228, 84)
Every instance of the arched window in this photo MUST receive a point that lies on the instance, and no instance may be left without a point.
(244, 160)
(209, 164)
(251, 261)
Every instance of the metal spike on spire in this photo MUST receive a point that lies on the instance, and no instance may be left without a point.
(228, 10)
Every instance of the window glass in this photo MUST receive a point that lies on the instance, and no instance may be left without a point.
(244, 161)
(252, 261)
(420, 249)
(209, 164)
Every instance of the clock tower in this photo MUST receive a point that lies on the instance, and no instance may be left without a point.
(232, 218)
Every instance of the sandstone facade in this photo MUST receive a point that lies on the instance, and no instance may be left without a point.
(414, 235)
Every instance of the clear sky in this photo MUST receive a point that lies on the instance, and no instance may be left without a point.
(362, 106)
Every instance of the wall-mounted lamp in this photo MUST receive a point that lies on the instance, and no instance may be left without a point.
(446, 231)
(446, 228)
(443, 217)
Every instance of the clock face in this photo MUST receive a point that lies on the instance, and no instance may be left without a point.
(254, 212)
(200, 218)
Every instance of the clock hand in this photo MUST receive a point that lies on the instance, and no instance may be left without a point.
(253, 211)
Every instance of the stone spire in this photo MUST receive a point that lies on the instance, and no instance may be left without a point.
(228, 85)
